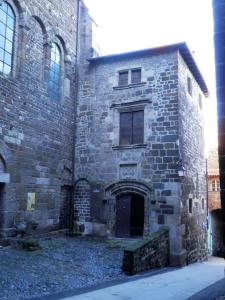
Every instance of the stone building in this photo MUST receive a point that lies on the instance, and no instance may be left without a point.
(139, 120)
(38, 47)
(97, 142)
(215, 215)
(219, 43)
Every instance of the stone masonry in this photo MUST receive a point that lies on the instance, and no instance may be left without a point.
(173, 135)
(36, 132)
(62, 162)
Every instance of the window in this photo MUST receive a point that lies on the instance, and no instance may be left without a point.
(189, 83)
(129, 77)
(203, 204)
(190, 205)
(200, 101)
(135, 76)
(215, 185)
(7, 33)
(132, 127)
(54, 78)
(123, 78)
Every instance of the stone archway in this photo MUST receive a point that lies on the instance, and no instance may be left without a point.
(131, 194)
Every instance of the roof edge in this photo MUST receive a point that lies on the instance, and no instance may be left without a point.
(181, 47)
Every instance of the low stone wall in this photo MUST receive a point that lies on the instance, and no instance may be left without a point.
(147, 254)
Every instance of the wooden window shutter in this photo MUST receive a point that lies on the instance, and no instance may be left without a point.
(126, 128)
(138, 127)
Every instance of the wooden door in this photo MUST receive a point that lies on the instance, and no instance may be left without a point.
(123, 214)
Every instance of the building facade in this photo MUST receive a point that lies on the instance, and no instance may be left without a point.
(215, 214)
(97, 143)
(219, 44)
(38, 50)
(139, 119)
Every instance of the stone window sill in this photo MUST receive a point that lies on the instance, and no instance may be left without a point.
(132, 85)
(120, 147)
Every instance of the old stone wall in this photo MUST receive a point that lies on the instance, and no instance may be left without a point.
(102, 161)
(193, 227)
(147, 254)
(36, 129)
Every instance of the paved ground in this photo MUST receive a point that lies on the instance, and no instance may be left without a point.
(63, 264)
(178, 284)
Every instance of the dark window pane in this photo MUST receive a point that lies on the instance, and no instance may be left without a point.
(123, 78)
(138, 127)
(190, 205)
(189, 82)
(126, 128)
(136, 76)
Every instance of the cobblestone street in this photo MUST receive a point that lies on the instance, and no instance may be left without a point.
(62, 264)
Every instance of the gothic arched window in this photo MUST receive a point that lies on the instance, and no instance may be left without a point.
(54, 76)
(7, 33)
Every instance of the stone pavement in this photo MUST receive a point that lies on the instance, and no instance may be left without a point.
(178, 284)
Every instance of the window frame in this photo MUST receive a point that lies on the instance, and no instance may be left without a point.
(119, 78)
(132, 128)
(190, 205)
(131, 77)
(189, 86)
(117, 108)
(12, 41)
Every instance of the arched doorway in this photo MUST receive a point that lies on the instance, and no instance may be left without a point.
(129, 215)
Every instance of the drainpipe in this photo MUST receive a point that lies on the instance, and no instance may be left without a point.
(75, 114)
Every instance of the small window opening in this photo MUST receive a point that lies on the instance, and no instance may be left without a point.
(190, 205)
(123, 78)
(136, 76)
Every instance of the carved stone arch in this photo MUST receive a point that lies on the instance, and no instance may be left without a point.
(121, 188)
(128, 186)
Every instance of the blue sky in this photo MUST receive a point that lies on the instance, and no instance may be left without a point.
(126, 25)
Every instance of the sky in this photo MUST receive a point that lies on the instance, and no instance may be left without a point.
(127, 25)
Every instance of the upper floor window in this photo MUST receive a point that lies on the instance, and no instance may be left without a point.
(7, 33)
(129, 77)
(135, 76)
(54, 78)
(132, 127)
(123, 78)
(215, 185)
(189, 84)
(200, 101)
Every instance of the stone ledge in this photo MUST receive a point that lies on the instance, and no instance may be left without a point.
(132, 85)
(129, 147)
